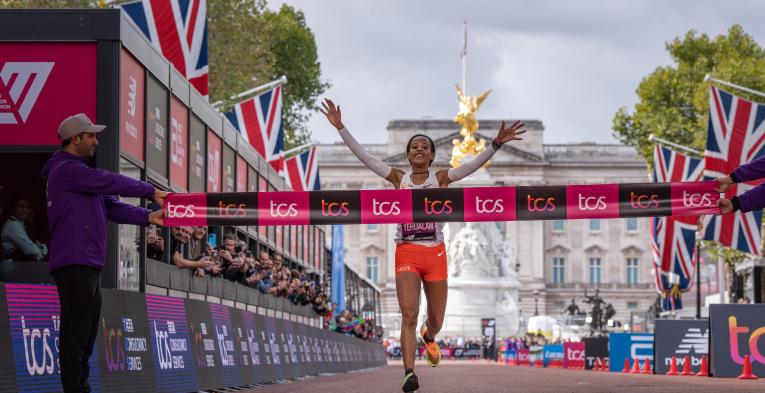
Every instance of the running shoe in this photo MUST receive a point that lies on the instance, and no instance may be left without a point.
(432, 351)
(411, 384)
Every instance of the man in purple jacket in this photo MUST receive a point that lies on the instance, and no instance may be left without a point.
(753, 199)
(80, 200)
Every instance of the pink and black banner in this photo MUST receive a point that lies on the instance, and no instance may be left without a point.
(443, 204)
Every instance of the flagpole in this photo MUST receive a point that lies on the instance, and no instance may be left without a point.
(653, 138)
(295, 150)
(710, 78)
(254, 90)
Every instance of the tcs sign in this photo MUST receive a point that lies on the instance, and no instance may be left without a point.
(186, 209)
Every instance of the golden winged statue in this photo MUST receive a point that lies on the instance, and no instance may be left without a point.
(466, 118)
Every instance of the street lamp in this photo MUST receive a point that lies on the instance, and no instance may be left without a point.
(536, 301)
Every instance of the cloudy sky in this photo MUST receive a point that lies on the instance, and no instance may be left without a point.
(571, 64)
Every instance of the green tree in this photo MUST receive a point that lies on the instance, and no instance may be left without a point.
(276, 43)
(674, 100)
(250, 45)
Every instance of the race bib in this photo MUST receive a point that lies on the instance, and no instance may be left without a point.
(418, 231)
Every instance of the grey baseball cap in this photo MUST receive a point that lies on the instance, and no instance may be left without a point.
(77, 124)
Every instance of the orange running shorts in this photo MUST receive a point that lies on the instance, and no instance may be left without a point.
(428, 262)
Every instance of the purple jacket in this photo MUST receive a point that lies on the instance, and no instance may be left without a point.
(80, 200)
(753, 199)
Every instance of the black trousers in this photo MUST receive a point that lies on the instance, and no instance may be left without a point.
(79, 293)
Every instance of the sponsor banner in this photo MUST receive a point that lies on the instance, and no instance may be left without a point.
(736, 331)
(629, 345)
(536, 353)
(466, 352)
(335, 207)
(523, 356)
(7, 374)
(283, 208)
(541, 203)
(33, 314)
(156, 127)
(437, 204)
(174, 363)
(594, 348)
(552, 353)
(132, 81)
(197, 151)
(420, 207)
(214, 162)
(680, 338)
(204, 344)
(489, 204)
(595, 201)
(242, 347)
(488, 336)
(40, 85)
(179, 144)
(289, 348)
(124, 343)
(386, 206)
(228, 355)
(158, 343)
(273, 347)
(573, 352)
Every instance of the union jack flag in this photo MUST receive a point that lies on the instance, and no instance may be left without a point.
(302, 171)
(674, 238)
(178, 28)
(259, 120)
(735, 136)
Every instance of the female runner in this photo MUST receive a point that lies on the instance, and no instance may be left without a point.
(420, 250)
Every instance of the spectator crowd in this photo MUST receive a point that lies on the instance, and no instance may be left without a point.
(231, 260)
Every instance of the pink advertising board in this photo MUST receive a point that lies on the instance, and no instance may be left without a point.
(40, 85)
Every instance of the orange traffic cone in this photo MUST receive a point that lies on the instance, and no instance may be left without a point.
(626, 365)
(635, 367)
(673, 367)
(647, 367)
(687, 366)
(704, 369)
(596, 364)
(606, 364)
(746, 372)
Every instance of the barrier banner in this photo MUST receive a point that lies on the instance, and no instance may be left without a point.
(124, 344)
(7, 375)
(629, 345)
(737, 331)
(572, 352)
(523, 356)
(594, 347)
(33, 315)
(229, 355)
(443, 204)
(174, 362)
(488, 336)
(289, 348)
(536, 354)
(552, 353)
(166, 344)
(204, 344)
(680, 338)
(243, 346)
